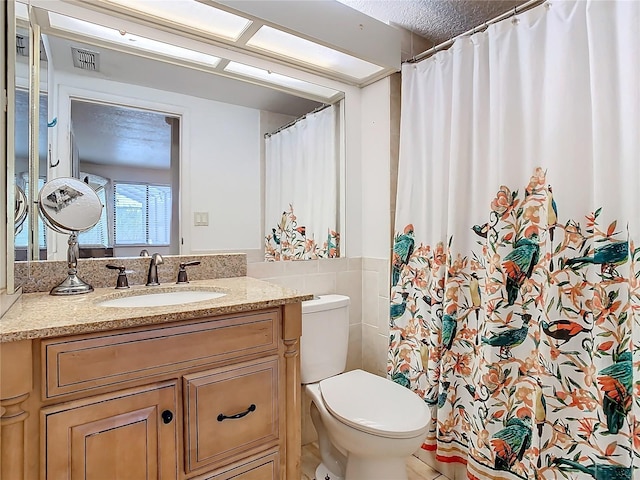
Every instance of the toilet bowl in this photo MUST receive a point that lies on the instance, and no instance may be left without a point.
(367, 425)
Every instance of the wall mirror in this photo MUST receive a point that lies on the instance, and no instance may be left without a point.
(107, 102)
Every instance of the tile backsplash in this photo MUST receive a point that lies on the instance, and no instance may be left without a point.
(42, 276)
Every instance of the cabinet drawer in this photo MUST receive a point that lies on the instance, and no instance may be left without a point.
(89, 362)
(230, 412)
(263, 468)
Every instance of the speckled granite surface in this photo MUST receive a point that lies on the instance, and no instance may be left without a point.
(40, 315)
(44, 275)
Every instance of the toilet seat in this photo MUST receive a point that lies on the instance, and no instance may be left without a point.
(375, 405)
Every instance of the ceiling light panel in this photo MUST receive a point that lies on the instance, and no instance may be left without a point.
(129, 40)
(193, 14)
(22, 11)
(281, 80)
(270, 39)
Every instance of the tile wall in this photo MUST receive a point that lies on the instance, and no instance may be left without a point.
(375, 314)
(331, 275)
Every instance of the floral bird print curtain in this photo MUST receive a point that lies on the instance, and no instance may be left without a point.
(301, 176)
(515, 271)
(288, 241)
(524, 345)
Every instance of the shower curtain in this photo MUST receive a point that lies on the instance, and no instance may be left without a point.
(515, 296)
(301, 189)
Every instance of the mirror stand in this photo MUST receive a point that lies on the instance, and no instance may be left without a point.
(73, 284)
(69, 206)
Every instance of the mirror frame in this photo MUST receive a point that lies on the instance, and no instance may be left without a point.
(9, 142)
(33, 247)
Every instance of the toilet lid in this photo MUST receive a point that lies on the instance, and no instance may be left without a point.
(375, 405)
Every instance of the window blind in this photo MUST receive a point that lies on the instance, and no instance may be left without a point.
(142, 214)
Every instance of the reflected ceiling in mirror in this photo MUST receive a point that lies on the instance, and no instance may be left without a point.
(131, 69)
(120, 136)
(130, 41)
(127, 36)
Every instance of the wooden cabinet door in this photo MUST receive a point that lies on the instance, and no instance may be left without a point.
(127, 435)
(230, 412)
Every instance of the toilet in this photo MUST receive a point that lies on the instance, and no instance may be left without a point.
(367, 425)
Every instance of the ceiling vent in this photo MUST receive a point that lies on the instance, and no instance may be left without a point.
(85, 59)
(22, 49)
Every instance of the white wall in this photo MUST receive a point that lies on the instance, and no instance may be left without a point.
(376, 147)
(376, 235)
(351, 240)
(220, 159)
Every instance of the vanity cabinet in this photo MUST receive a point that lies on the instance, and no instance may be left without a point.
(212, 398)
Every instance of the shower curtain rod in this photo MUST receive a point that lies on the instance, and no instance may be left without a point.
(293, 122)
(444, 45)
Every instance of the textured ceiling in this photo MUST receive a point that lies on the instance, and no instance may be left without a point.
(435, 20)
(114, 135)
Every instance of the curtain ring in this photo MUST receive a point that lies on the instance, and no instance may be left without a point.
(515, 20)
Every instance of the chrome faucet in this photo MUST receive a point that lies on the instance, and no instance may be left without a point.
(152, 276)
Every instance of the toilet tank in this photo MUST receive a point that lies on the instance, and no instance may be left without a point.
(325, 337)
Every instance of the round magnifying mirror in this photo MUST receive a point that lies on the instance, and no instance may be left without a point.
(20, 209)
(68, 205)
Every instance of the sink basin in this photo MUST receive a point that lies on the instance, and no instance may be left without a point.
(161, 299)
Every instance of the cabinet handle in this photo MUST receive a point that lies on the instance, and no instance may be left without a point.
(167, 416)
(252, 408)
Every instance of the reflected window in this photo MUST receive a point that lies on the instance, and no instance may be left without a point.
(99, 234)
(142, 214)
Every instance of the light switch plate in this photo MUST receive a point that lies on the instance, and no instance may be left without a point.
(201, 219)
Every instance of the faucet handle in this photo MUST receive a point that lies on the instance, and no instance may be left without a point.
(122, 281)
(182, 272)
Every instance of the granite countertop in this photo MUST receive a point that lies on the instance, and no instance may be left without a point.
(40, 315)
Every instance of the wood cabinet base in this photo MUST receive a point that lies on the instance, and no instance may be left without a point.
(156, 402)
